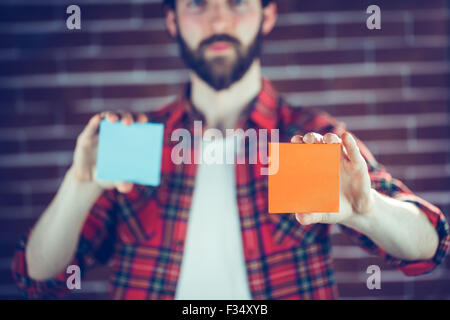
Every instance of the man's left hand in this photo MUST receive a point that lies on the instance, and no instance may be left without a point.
(355, 192)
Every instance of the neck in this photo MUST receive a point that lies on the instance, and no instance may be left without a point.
(222, 108)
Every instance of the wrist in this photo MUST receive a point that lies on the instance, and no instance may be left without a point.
(81, 184)
(364, 221)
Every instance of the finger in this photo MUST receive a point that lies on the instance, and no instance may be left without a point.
(351, 147)
(142, 118)
(313, 137)
(331, 138)
(297, 139)
(92, 126)
(127, 118)
(316, 217)
(110, 116)
(124, 187)
(344, 155)
(308, 218)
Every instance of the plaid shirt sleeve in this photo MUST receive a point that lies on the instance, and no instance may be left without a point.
(382, 181)
(385, 184)
(95, 246)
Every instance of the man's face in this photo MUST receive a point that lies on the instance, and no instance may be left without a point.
(219, 39)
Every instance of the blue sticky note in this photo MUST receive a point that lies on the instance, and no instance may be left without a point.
(130, 153)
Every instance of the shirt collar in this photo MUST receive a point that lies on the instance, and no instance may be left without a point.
(263, 111)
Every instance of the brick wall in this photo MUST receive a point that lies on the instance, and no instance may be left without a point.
(391, 87)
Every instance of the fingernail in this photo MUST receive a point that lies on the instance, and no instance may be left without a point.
(308, 139)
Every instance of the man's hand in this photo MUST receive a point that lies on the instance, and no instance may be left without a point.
(355, 193)
(85, 154)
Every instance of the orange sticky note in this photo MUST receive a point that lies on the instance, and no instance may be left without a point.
(307, 179)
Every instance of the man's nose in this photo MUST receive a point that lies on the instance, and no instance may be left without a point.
(220, 17)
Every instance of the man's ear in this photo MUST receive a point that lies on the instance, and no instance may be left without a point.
(269, 17)
(171, 23)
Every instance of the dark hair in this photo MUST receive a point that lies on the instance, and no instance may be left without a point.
(170, 4)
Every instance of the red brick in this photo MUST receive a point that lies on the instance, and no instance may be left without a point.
(106, 11)
(7, 249)
(330, 5)
(8, 97)
(25, 120)
(27, 67)
(137, 91)
(19, 226)
(410, 54)
(431, 27)
(446, 263)
(6, 276)
(135, 37)
(339, 110)
(41, 199)
(82, 119)
(307, 31)
(123, 64)
(151, 10)
(370, 82)
(413, 158)
(99, 65)
(427, 184)
(302, 85)
(361, 30)
(314, 57)
(163, 63)
(46, 42)
(430, 80)
(355, 290)
(30, 173)
(385, 109)
(26, 13)
(341, 239)
(410, 107)
(12, 199)
(432, 289)
(19, 199)
(10, 147)
(359, 264)
(43, 145)
(435, 132)
(381, 134)
(58, 96)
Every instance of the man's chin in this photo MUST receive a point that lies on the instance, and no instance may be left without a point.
(220, 62)
(220, 72)
(219, 83)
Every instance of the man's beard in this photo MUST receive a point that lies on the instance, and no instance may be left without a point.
(220, 72)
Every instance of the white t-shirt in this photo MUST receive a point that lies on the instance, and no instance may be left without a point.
(213, 265)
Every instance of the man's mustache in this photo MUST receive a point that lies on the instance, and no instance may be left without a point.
(217, 38)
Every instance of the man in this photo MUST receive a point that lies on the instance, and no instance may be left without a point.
(205, 232)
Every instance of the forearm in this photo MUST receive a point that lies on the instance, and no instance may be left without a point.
(399, 227)
(54, 238)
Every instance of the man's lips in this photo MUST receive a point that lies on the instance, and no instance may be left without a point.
(220, 46)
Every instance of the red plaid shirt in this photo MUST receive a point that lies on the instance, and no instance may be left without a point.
(142, 234)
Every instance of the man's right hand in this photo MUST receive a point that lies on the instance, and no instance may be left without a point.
(85, 154)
